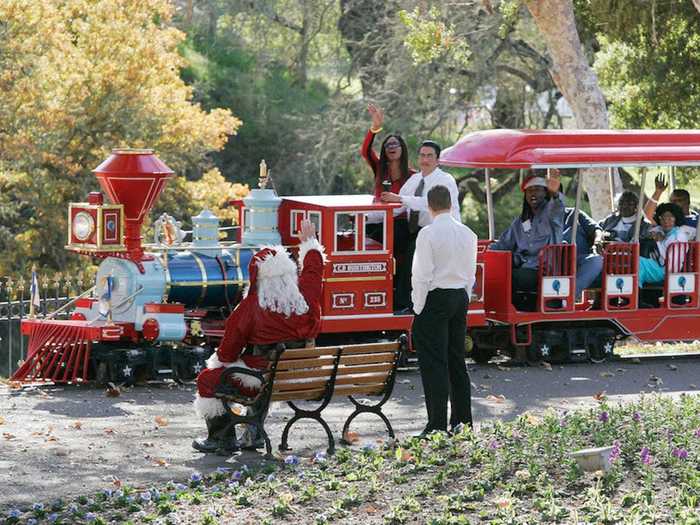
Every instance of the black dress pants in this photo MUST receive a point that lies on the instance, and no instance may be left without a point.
(439, 333)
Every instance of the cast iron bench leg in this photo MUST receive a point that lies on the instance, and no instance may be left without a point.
(307, 414)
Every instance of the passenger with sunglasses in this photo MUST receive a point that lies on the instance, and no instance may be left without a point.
(390, 171)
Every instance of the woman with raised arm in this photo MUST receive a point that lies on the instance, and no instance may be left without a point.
(390, 171)
(670, 220)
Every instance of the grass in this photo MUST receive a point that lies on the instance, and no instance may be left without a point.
(506, 473)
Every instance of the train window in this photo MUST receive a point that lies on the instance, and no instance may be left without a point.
(375, 230)
(315, 218)
(295, 223)
(345, 232)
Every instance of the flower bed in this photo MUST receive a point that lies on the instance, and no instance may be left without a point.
(516, 472)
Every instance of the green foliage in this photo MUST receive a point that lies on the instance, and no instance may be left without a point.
(430, 38)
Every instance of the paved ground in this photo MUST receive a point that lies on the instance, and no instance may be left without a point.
(60, 441)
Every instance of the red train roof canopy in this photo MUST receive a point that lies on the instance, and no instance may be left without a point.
(505, 148)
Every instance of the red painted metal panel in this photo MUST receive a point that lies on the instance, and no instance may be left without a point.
(163, 308)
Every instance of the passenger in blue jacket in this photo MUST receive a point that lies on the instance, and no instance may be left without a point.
(589, 264)
(541, 222)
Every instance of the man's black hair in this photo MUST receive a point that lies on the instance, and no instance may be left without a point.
(431, 144)
(682, 193)
(628, 195)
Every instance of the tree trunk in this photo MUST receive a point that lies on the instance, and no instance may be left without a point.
(578, 83)
(696, 3)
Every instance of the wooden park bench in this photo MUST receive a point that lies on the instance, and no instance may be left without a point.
(314, 373)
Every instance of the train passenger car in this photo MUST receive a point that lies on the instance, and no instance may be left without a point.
(577, 328)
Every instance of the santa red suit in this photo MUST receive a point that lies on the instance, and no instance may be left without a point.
(281, 305)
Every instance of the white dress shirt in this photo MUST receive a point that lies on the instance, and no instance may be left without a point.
(420, 204)
(445, 258)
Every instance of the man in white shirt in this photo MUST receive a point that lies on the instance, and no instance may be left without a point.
(413, 194)
(444, 268)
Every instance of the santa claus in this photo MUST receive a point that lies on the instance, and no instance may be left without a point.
(280, 306)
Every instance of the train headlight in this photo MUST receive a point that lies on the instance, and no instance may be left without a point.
(83, 226)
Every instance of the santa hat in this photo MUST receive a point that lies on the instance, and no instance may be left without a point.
(533, 180)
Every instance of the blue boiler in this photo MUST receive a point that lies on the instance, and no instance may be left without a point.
(198, 280)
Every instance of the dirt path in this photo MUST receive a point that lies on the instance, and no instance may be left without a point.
(57, 441)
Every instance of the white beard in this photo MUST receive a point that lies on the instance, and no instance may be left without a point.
(281, 294)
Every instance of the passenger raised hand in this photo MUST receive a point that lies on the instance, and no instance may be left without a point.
(377, 117)
(554, 180)
(660, 183)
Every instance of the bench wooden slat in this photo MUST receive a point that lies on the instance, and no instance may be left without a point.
(354, 390)
(287, 386)
(298, 353)
(295, 364)
(366, 359)
(343, 370)
(302, 395)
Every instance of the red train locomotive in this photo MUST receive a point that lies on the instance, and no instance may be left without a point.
(158, 310)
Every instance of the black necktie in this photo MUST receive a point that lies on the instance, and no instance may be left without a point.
(413, 217)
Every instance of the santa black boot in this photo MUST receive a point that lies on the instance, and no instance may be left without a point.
(221, 435)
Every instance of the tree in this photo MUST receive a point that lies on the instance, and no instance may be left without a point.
(79, 78)
(577, 82)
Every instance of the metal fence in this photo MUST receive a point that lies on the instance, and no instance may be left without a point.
(55, 290)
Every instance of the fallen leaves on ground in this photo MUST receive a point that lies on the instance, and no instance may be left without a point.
(77, 425)
(496, 399)
(2, 420)
(109, 430)
(161, 421)
(351, 437)
(112, 390)
(600, 395)
(160, 462)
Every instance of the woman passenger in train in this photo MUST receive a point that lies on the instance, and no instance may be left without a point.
(670, 220)
(540, 223)
(391, 171)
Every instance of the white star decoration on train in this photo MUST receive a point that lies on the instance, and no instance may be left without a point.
(608, 348)
(544, 350)
(197, 368)
(126, 371)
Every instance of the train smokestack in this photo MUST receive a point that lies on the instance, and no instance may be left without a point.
(134, 178)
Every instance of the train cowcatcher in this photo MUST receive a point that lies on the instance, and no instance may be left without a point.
(157, 310)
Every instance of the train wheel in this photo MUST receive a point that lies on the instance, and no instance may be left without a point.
(602, 351)
(103, 374)
(481, 355)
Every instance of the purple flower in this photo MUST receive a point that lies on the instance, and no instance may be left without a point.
(38, 507)
(291, 460)
(196, 477)
(91, 516)
(645, 456)
(180, 487)
(271, 477)
(14, 513)
(680, 453)
(145, 496)
(604, 417)
(320, 457)
(237, 474)
(32, 521)
(368, 447)
(636, 417)
(697, 433)
(107, 493)
(494, 445)
(615, 452)
(52, 517)
(155, 494)
(73, 508)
